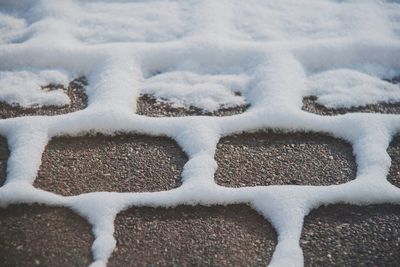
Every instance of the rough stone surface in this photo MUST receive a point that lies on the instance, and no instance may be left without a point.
(394, 153)
(344, 235)
(123, 163)
(233, 235)
(4, 153)
(43, 236)
(75, 92)
(310, 105)
(279, 159)
(149, 106)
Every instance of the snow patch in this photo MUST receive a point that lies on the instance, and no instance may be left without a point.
(11, 28)
(345, 88)
(207, 92)
(25, 88)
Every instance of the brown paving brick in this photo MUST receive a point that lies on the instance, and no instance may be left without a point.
(310, 105)
(75, 92)
(279, 159)
(4, 153)
(124, 163)
(344, 235)
(148, 106)
(43, 236)
(233, 235)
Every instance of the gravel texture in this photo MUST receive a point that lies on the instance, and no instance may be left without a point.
(280, 159)
(344, 235)
(149, 106)
(394, 153)
(233, 235)
(75, 92)
(310, 105)
(124, 163)
(43, 236)
(4, 153)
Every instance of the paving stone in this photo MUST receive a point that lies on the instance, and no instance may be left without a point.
(149, 106)
(233, 235)
(310, 105)
(394, 153)
(124, 163)
(43, 236)
(75, 92)
(281, 159)
(4, 153)
(344, 235)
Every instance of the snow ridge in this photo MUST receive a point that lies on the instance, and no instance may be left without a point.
(273, 52)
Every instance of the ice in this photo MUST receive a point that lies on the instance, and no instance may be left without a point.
(207, 54)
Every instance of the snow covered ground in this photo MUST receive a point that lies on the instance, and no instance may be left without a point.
(207, 54)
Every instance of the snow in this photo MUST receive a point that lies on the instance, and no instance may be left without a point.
(10, 28)
(201, 53)
(24, 88)
(208, 92)
(349, 88)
